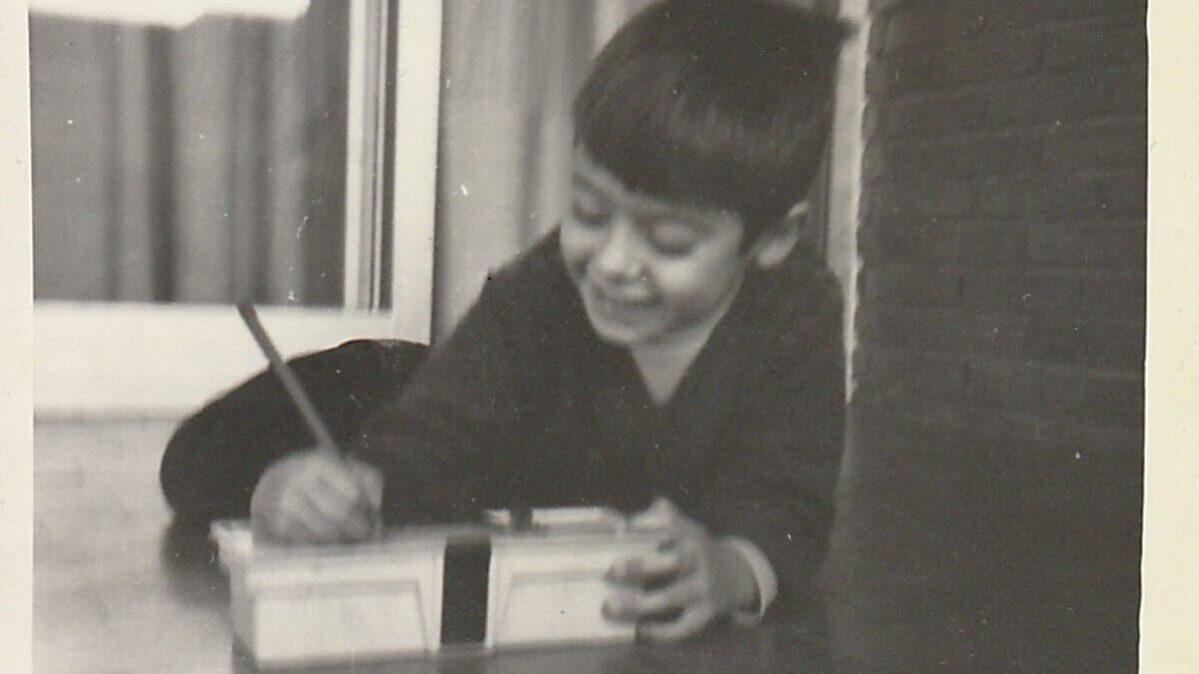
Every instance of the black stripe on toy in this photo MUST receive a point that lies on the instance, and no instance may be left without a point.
(465, 591)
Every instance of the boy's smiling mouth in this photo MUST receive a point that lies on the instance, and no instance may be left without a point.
(616, 301)
(612, 309)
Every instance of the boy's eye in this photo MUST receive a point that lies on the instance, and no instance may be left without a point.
(587, 214)
(673, 238)
(587, 208)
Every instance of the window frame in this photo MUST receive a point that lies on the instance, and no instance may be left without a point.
(843, 190)
(142, 359)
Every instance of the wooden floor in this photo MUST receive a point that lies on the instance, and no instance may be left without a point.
(108, 595)
(933, 568)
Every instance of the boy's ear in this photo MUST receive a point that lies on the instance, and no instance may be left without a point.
(776, 242)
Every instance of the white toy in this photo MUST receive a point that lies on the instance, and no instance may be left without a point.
(319, 604)
(296, 605)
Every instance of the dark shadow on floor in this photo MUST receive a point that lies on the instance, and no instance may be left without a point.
(192, 566)
(983, 556)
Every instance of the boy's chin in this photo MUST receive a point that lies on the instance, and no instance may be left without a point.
(619, 334)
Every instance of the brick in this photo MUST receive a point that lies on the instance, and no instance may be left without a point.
(877, 162)
(947, 332)
(1085, 341)
(1096, 247)
(1075, 440)
(1065, 98)
(937, 115)
(1011, 14)
(1103, 400)
(1086, 482)
(914, 198)
(933, 243)
(1008, 197)
(936, 21)
(902, 73)
(961, 157)
(880, 425)
(909, 285)
(898, 374)
(924, 243)
(957, 63)
(879, 23)
(1004, 56)
(1108, 194)
(1009, 291)
(1121, 143)
(993, 247)
(1002, 154)
(933, 22)
(956, 432)
(1119, 296)
(989, 335)
(1015, 444)
(1056, 196)
(871, 123)
(876, 404)
(882, 79)
(1008, 385)
(884, 6)
(1121, 40)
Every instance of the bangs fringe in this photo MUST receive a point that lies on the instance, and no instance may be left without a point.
(714, 110)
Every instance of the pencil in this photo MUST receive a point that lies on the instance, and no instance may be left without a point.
(290, 383)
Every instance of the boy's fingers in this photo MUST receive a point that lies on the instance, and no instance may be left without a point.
(371, 483)
(367, 475)
(299, 528)
(647, 604)
(660, 514)
(647, 568)
(691, 622)
(338, 481)
(617, 608)
(336, 520)
(356, 527)
(672, 597)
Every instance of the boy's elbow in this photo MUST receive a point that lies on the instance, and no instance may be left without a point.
(187, 482)
(177, 476)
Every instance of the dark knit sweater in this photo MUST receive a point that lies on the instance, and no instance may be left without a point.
(525, 406)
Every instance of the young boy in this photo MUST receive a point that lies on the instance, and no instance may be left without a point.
(675, 342)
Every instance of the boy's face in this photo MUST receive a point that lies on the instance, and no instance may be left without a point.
(647, 268)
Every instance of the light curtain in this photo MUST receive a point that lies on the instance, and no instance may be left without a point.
(204, 164)
(510, 72)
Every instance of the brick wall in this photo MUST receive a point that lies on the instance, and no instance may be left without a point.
(1002, 306)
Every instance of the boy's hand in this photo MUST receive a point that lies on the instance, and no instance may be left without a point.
(675, 593)
(312, 497)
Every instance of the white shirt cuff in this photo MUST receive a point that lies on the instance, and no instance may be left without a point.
(768, 584)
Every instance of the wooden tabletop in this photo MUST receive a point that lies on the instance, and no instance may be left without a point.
(962, 566)
(119, 588)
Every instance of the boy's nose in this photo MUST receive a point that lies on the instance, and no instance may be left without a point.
(617, 258)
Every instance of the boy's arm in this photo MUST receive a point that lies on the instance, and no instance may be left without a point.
(775, 488)
(216, 457)
(446, 444)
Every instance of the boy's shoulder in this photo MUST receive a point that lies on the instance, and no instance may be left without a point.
(536, 280)
(799, 288)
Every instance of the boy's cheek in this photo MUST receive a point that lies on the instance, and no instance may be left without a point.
(573, 242)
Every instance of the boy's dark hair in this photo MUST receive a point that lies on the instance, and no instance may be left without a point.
(724, 104)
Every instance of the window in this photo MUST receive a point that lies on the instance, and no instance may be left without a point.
(182, 164)
(371, 151)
